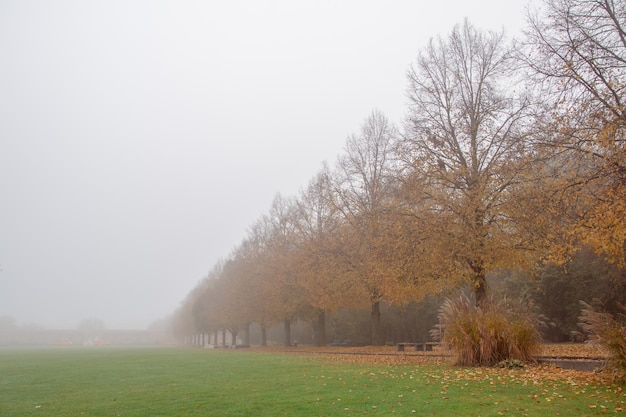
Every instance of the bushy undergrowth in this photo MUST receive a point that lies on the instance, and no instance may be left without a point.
(610, 332)
(487, 335)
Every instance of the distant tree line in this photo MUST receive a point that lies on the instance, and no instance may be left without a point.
(508, 173)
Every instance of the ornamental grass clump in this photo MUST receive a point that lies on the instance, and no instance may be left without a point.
(487, 335)
(608, 331)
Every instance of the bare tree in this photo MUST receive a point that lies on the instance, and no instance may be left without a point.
(365, 181)
(578, 47)
(318, 223)
(576, 50)
(280, 263)
(464, 150)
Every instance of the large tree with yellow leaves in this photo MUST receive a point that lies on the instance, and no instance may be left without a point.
(465, 153)
(577, 52)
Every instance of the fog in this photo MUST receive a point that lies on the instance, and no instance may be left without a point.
(140, 139)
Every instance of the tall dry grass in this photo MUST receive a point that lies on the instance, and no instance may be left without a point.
(610, 332)
(487, 335)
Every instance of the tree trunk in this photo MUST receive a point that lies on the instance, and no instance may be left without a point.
(480, 291)
(246, 335)
(480, 282)
(319, 327)
(224, 338)
(378, 337)
(287, 326)
(263, 335)
(233, 337)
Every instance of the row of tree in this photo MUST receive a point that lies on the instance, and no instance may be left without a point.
(511, 156)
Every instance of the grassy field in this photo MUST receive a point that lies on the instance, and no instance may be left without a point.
(108, 381)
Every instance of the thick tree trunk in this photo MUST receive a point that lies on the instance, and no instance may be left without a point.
(263, 335)
(378, 337)
(223, 338)
(319, 327)
(480, 291)
(479, 281)
(233, 337)
(287, 326)
(246, 335)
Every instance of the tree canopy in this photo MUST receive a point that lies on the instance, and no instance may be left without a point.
(511, 155)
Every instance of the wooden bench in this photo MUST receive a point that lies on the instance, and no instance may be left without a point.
(341, 342)
(424, 347)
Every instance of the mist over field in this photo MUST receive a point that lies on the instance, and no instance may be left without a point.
(140, 140)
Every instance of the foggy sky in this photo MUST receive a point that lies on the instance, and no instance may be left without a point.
(140, 139)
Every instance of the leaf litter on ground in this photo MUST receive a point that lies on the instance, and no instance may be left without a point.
(548, 383)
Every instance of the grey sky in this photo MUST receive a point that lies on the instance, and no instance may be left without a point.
(140, 139)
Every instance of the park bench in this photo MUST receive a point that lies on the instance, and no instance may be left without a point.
(420, 346)
(341, 342)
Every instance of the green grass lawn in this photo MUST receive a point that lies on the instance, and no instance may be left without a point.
(108, 381)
